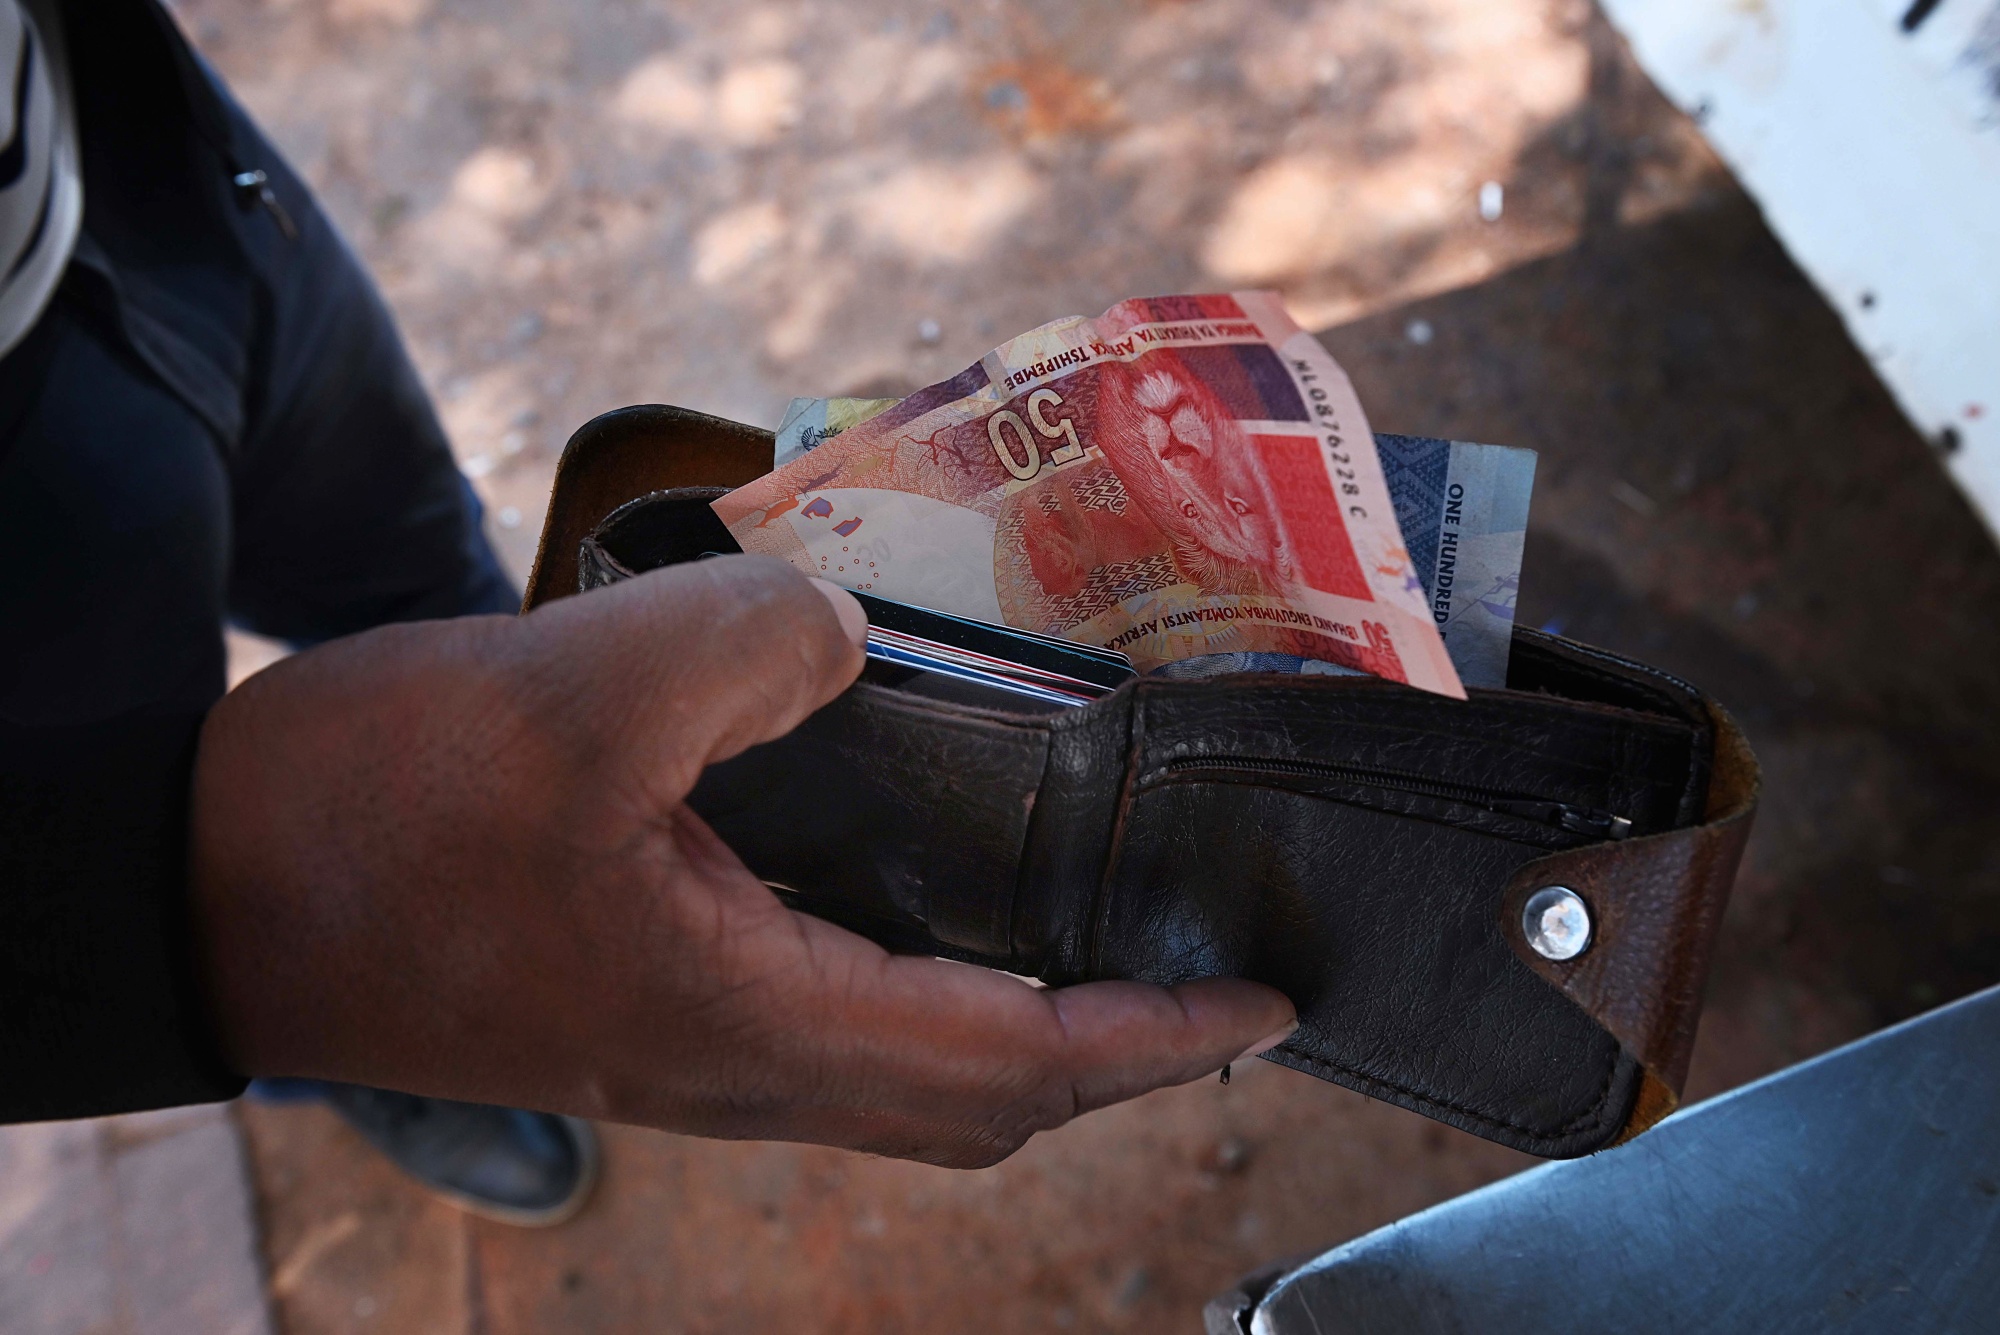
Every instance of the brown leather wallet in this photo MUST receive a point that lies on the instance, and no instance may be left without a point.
(1367, 848)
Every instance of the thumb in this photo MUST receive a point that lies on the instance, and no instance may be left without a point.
(715, 656)
(1127, 1038)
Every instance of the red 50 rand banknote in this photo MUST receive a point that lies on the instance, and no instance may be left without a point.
(1179, 476)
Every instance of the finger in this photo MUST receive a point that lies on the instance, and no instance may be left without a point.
(960, 1065)
(853, 620)
(716, 655)
(1015, 1061)
(1125, 1039)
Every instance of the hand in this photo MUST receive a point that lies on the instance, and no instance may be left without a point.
(453, 858)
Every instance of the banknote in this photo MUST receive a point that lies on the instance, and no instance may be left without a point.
(812, 422)
(1462, 507)
(1464, 514)
(1179, 476)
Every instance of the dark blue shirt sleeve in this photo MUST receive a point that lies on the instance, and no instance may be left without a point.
(99, 1011)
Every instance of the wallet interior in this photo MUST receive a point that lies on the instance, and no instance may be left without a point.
(670, 527)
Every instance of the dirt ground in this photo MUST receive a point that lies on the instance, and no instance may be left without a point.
(578, 206)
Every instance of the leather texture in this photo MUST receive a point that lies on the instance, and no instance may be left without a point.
(1656, 905)
(1360, 845)
(630, 452)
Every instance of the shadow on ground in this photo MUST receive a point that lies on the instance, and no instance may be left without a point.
(1726, 491)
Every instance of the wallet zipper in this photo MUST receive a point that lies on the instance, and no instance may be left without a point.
(1557, 815)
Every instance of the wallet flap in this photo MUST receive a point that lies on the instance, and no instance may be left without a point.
(1656, 906)
(1346, 840)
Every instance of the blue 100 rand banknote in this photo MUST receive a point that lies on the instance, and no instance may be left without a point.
(1464, 512)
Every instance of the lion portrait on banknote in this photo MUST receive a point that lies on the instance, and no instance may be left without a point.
(1193, 493)
(1189, 466)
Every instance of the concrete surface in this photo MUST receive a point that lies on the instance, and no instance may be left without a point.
(578, 206)
(129, 1225)
(1870, 136)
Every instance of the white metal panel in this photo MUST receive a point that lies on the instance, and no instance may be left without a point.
(1869, 131)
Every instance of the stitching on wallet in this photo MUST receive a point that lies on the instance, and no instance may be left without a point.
(1619, 731)
(1162, 773)
(1598, 717)
(1592, 1117)
(1587, 661)
(1130, 786)
(1595, 658)
(1159, 779)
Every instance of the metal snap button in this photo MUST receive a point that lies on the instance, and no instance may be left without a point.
(1556, 923)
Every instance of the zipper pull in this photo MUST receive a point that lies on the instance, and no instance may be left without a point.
(1579, 820)
(254, 187)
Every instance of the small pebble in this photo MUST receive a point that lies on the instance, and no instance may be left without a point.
(1231, 1154)
(1638, 502)
(1136, 1285)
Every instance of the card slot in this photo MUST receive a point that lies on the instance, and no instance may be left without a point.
(1035, 690)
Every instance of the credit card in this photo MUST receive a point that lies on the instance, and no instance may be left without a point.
(1038, 667)
(1018, 650)
(1020, 663)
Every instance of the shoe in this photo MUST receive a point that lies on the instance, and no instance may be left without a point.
(525, 1168)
